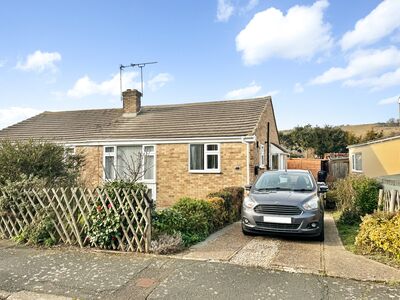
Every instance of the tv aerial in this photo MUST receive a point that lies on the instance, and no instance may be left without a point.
(140, 66)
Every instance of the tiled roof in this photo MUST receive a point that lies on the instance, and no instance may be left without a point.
(204, 119)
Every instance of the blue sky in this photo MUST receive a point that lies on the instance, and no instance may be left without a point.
(323, 62)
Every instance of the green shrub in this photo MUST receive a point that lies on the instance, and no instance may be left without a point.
(199, 219)
(39, 232)
(380, 233)
(233, 198)
(39, 159)
(12, 193)
(221, 215)
(356, 196)
(195, 219)
(167, 221)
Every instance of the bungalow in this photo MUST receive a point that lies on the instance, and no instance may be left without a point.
(376, 158)
(184, 149)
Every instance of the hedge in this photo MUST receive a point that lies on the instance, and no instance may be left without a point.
(195, 219)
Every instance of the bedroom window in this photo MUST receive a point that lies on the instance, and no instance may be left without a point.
(204, 158)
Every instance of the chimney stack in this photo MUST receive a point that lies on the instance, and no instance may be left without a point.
(131, 102)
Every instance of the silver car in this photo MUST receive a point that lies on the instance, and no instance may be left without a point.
(285, 202)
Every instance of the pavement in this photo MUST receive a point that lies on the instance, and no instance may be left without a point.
(241, 268)
(289, 254)
(63, 274)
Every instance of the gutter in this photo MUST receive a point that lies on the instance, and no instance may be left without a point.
(247, 141)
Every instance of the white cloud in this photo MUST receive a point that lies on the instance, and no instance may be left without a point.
(85, 86)
(363, 64)
(250, 5)
(225, 10)
(298, 88)
(159, 81)
(272, 93)
(380, 22)
(299, 34)
(390, 100)
(40, 61)
(12, 115)
(246, 92)
(383, 81)
(3, 62)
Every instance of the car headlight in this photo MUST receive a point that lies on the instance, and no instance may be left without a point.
(248, 202)
(311, 204)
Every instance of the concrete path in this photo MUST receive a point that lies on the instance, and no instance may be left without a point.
(295, 255)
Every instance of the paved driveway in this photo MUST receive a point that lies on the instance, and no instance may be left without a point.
(294, 255)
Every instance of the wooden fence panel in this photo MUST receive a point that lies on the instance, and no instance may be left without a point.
(69, 211)
(313, 165)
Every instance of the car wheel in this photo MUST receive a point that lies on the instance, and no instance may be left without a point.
(248, 233)
(321, 236)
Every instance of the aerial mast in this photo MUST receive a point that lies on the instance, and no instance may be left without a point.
(140, 66)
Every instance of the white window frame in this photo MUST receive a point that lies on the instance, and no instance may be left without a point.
(153, 153)
(206, 153)
(109, 154)
(151, 183)
(353, 162)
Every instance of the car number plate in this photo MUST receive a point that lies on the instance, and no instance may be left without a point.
(280, 220)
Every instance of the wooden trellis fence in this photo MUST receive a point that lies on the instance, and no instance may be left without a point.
(70, 209)
(389, 200)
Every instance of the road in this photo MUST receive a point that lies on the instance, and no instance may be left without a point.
(93, 275)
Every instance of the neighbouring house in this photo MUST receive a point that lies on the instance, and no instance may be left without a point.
(189, 149)
(376, 158)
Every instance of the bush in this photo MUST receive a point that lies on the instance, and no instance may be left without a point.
(105, 228)
(221, 215)
(380, 233)
(233, 198)
(39, 232)
(356, 196)
(167, 244)
(13, 190)
(39, 159)
(195, 219)
(199, 219)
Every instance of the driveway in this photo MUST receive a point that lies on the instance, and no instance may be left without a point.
(295, 255)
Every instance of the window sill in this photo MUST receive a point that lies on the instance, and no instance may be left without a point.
(357, 171)
(205, 171)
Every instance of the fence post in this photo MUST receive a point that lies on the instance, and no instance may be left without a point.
(148, 217)
(393, 196)
(380, 200)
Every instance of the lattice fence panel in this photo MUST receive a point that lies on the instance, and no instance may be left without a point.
(69, 211)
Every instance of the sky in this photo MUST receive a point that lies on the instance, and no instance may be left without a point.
(323, 62)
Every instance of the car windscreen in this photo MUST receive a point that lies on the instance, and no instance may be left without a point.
(284, 181)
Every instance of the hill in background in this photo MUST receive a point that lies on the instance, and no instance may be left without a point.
(360, 130)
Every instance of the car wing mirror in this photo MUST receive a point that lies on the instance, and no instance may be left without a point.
(247, 187)
(322, 187)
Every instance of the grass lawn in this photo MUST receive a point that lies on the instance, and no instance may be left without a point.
(347, 233)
